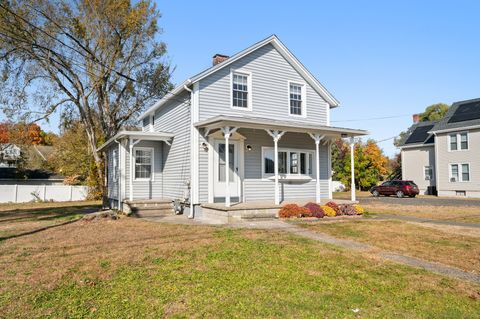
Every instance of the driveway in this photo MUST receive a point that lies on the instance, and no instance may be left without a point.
(433, 201)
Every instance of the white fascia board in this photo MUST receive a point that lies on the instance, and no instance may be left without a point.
(146, 136)
(416, 146)
(457, 129)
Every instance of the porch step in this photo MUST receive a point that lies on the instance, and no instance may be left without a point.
(259, 215)
(151, 207)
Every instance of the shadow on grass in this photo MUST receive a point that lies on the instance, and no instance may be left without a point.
(39, 230)
(59, 216)
(47, 213)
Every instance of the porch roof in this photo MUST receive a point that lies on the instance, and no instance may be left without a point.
(138, 135)
(265, 123)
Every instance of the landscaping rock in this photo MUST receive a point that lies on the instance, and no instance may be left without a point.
(110, 214)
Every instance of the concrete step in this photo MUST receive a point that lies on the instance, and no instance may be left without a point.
(151, 206)
(152, 212)
(258, 215)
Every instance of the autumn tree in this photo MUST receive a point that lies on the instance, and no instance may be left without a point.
(370, 163)
(98, 61)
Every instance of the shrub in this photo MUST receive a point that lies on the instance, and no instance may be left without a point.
(359, 209)
(347, 210)
(334, 206)
(293, 210)
(329, 211)
(315, 210)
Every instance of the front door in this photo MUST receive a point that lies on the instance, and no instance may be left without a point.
(219, 171)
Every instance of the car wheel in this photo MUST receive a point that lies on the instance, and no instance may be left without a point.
(399, 194)
(375, 193)
(412, 196)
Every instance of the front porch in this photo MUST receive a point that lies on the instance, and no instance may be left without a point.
(269, 163)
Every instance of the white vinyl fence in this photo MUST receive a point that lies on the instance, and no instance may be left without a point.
(29, 193)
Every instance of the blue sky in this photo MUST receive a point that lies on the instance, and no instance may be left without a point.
(378, 58)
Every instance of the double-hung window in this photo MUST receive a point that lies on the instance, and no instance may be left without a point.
(296, 93)
(241, 90)
(458, 141)
(290, 162)
(459, 172)
(428, 173)
(143, 163)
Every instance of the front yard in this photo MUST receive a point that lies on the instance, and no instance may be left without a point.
(135, 268)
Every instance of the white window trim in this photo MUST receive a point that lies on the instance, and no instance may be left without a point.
(304, 98)
(432, 177)
(459, 142)
(460, 174)
(151, 124)
(152, 174)
(290, 175)
(249, 89)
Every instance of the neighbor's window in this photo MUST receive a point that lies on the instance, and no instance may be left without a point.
(296, 99)
(428, 171)
(463, 141)
(240, 90)
(293, 162)
(458, 138)
(453, 142)
(143, 163)
(465, 172)
(454, 172)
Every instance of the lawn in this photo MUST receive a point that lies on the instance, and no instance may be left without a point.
(134, 268)
(454, 213)
(444, 244)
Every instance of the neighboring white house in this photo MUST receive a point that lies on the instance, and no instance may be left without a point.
(444, 156)
(254, 127)
(10, 154)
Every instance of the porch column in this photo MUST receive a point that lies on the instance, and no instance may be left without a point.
(276, 135)
(317, 138)
(132, 171)
(352, 168)
(227, 132)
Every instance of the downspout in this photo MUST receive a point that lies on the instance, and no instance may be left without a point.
(193, 183)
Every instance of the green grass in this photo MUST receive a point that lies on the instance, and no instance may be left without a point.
(252, 274)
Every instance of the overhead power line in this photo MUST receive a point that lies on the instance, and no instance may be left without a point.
(373, 118)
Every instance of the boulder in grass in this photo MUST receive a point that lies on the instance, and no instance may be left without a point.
(109, 214)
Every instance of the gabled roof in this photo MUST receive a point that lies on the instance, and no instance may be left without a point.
(419, 135)
(282, 49)
(462, 114)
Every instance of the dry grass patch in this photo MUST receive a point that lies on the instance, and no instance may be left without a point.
(454, 213)
(411, 239)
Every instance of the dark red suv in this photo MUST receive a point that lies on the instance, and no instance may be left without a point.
(397, 188)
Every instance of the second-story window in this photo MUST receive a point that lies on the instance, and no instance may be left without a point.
(297, 99)
(240, 92)
(458, 141)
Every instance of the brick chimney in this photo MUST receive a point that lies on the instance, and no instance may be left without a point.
(219, 58)
(416, 118)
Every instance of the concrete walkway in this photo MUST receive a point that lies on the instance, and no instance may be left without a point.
(361, 247)
(426, 220)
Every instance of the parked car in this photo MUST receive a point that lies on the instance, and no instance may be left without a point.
(398, 188)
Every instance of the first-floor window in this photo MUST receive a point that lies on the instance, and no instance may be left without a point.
(428, 171)
(143, 163)
(290, 161)
(459, 172)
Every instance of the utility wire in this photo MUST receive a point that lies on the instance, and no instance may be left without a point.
(373, 118)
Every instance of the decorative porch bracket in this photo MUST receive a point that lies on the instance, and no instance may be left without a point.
(276, 135)
(227, 132)
(352, 168)
(317, 138)
(132, 144)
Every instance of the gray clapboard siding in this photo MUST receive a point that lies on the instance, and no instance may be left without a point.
(174, 117)
(446, 157)
(414, 161)
(146, 189)
(270, 91)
